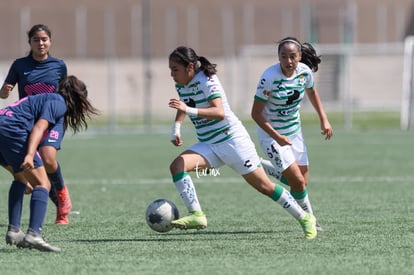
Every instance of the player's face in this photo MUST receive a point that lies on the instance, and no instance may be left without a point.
(40, 44)
(182, 75)
(289, 57)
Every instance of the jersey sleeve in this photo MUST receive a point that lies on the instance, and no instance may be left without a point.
(213, 88)
(54, 111)
(263, 88)
(309, 80)
(12, 76)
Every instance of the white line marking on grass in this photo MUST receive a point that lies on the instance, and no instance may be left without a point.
(314, 180)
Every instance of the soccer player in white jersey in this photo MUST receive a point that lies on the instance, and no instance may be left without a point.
(276, 105)
(222, 139)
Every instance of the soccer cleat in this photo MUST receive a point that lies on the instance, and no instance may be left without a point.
(35, 240)
(64, 206)
(318, 227)
(308, 224)
(61, 219)
(14, 235)
(196, 220)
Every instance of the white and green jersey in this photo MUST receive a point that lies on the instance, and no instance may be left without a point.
(283, 96)
(197, 94)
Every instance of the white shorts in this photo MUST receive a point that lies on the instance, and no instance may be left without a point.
(238, 153)
(283, 156)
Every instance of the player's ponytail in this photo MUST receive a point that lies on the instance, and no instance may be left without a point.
(207, 67)
(185, 55)
(78, 106)
(309, 56)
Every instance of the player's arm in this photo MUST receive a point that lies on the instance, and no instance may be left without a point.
(214, 111)
(257, 115)
(33, 143)
(326, 128)
(5, 90)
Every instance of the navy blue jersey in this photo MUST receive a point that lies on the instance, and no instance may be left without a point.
(36, 77)
(18, 119)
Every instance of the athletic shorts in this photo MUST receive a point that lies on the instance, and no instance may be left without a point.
(13, 152)
(52, 137)
(238, 153)
(283, 156)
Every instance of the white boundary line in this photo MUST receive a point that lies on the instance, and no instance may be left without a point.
(225, 180)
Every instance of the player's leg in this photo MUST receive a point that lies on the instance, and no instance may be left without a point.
(17, 189)
(59, 192)
(38, 206)
(190, 161)
(259, 180)
(246, 162)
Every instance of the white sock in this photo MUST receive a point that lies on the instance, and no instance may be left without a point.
(188, 193)
(291, 205)
(305, 204)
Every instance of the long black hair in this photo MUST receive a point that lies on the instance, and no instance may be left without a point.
(184, 55)
(78, 106)
(309, 56)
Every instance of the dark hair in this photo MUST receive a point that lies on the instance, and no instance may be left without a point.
(35, 29)
(78, 106)
(185, 55)
(309, 56)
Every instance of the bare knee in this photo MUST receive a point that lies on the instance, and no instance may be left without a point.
(177, 165)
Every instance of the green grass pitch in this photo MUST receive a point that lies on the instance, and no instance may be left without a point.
(361, 187)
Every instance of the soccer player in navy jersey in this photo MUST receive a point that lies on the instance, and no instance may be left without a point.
(39, 73)
(22, 126)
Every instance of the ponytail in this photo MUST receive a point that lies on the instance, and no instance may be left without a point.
(185, 55)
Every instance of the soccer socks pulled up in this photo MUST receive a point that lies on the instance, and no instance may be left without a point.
(56, 179)
(186, 189)
(285, 199)
(16, 194)
(38, 207)
(303, 200)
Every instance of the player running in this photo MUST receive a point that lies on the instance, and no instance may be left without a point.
(222, 140)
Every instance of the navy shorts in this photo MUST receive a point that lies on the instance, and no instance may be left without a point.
(52, 137)
(12, 153)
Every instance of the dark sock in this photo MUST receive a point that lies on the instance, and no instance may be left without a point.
(53, 195)
(38, 207)
(56, 179)
(16, 194)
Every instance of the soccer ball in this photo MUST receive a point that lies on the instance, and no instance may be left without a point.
(159, 215)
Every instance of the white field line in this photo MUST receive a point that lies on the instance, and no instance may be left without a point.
(207, 179)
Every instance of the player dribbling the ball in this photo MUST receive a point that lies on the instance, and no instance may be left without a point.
(222, 139)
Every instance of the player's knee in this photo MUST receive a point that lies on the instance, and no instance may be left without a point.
(177, 165)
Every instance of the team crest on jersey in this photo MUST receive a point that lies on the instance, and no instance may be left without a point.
(266, 93)
(301, 80)
(194, 87)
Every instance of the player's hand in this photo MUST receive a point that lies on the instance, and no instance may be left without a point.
(27, 163)
(283, 140)
(177, 104)
(29, 189)
(177, 141)
(326, 130)
(5, 90)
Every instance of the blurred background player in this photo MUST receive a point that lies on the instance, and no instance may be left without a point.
(22, 126)
(279, 93)
(222, 139)
(40, 73)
